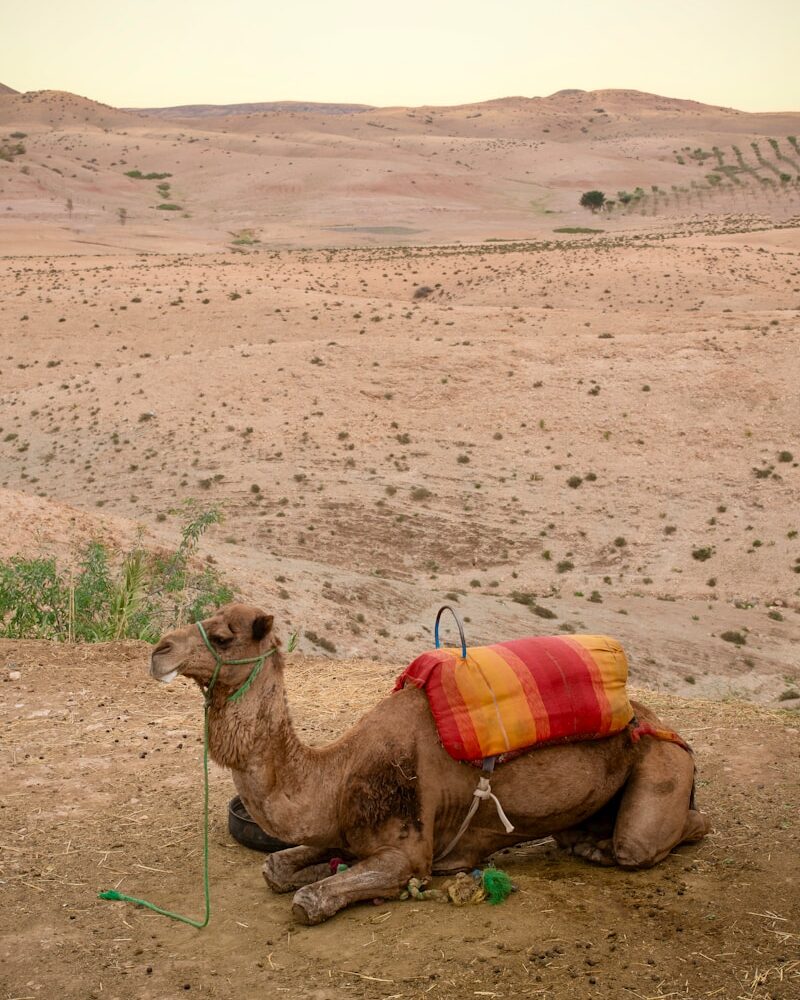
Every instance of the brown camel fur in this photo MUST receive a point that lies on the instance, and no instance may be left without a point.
(388, 797)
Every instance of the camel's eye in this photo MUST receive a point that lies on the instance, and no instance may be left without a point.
(222, 641)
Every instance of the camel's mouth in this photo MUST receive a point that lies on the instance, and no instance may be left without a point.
(160, 670)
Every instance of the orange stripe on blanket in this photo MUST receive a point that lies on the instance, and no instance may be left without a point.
(523, 693)
(508, 694)
(608, 657)
(458, 709)
(481, 704)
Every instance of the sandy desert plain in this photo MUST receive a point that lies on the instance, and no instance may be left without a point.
(408, 368)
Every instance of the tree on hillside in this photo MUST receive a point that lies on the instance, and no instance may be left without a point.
(593, 200)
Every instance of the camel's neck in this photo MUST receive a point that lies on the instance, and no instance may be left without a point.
(286, 786)
(256, 729)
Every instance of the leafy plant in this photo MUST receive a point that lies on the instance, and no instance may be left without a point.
(137, 175)
(593, 200)
(97, 603)
(735, 637)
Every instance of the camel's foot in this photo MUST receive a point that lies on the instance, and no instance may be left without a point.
(583, 844)
(289, 870)
(382, 876)
(696, 827)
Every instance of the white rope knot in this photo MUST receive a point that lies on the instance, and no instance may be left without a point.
(484, 791)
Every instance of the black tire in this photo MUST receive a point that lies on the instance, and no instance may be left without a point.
(246, 831)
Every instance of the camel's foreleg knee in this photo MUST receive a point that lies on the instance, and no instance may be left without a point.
(385, 874)
(285, 871)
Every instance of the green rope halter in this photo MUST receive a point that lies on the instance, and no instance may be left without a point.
(259, 661)
(219, 663)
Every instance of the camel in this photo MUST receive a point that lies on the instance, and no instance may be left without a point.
(387, 798)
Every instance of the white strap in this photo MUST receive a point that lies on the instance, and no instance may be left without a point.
(483, 791)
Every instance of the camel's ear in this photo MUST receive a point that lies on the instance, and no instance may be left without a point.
(261, 626)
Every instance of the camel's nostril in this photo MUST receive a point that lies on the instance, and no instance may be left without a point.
(162, 647)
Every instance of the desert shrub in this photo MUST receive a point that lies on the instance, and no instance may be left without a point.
(593, 200)
(735, 637)
(529, 600)
(137, 175)
(8, 150)
(131, 595)
(168, 206)
(244, 237)
(321, 641)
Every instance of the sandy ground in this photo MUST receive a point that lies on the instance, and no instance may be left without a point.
(609, 425)
(102, 789)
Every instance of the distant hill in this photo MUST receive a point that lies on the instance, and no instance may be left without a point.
(264, 107)
(7, 90)
(58, 108)
(570, 100)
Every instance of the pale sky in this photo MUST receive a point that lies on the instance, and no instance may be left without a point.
(151, 53)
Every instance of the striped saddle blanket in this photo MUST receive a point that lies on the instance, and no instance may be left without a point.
(523, 693)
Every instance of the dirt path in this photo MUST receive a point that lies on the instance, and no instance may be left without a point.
(102, 789)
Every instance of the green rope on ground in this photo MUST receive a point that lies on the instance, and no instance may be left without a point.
(112, 894)
(121, 896)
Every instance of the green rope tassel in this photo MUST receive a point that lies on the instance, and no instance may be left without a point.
(497, 885)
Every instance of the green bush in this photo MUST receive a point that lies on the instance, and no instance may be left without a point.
(735, 637)
(8, 150)
(138, 599)
(529, 600)
(137, 175)
(592, 200)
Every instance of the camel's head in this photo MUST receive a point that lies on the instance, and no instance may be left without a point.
(236, 632)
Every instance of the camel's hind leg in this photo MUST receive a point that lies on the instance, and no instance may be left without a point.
(592, 839)
(655, 813)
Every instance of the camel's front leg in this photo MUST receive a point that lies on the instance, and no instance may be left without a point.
(384, 874)
(285, 871)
